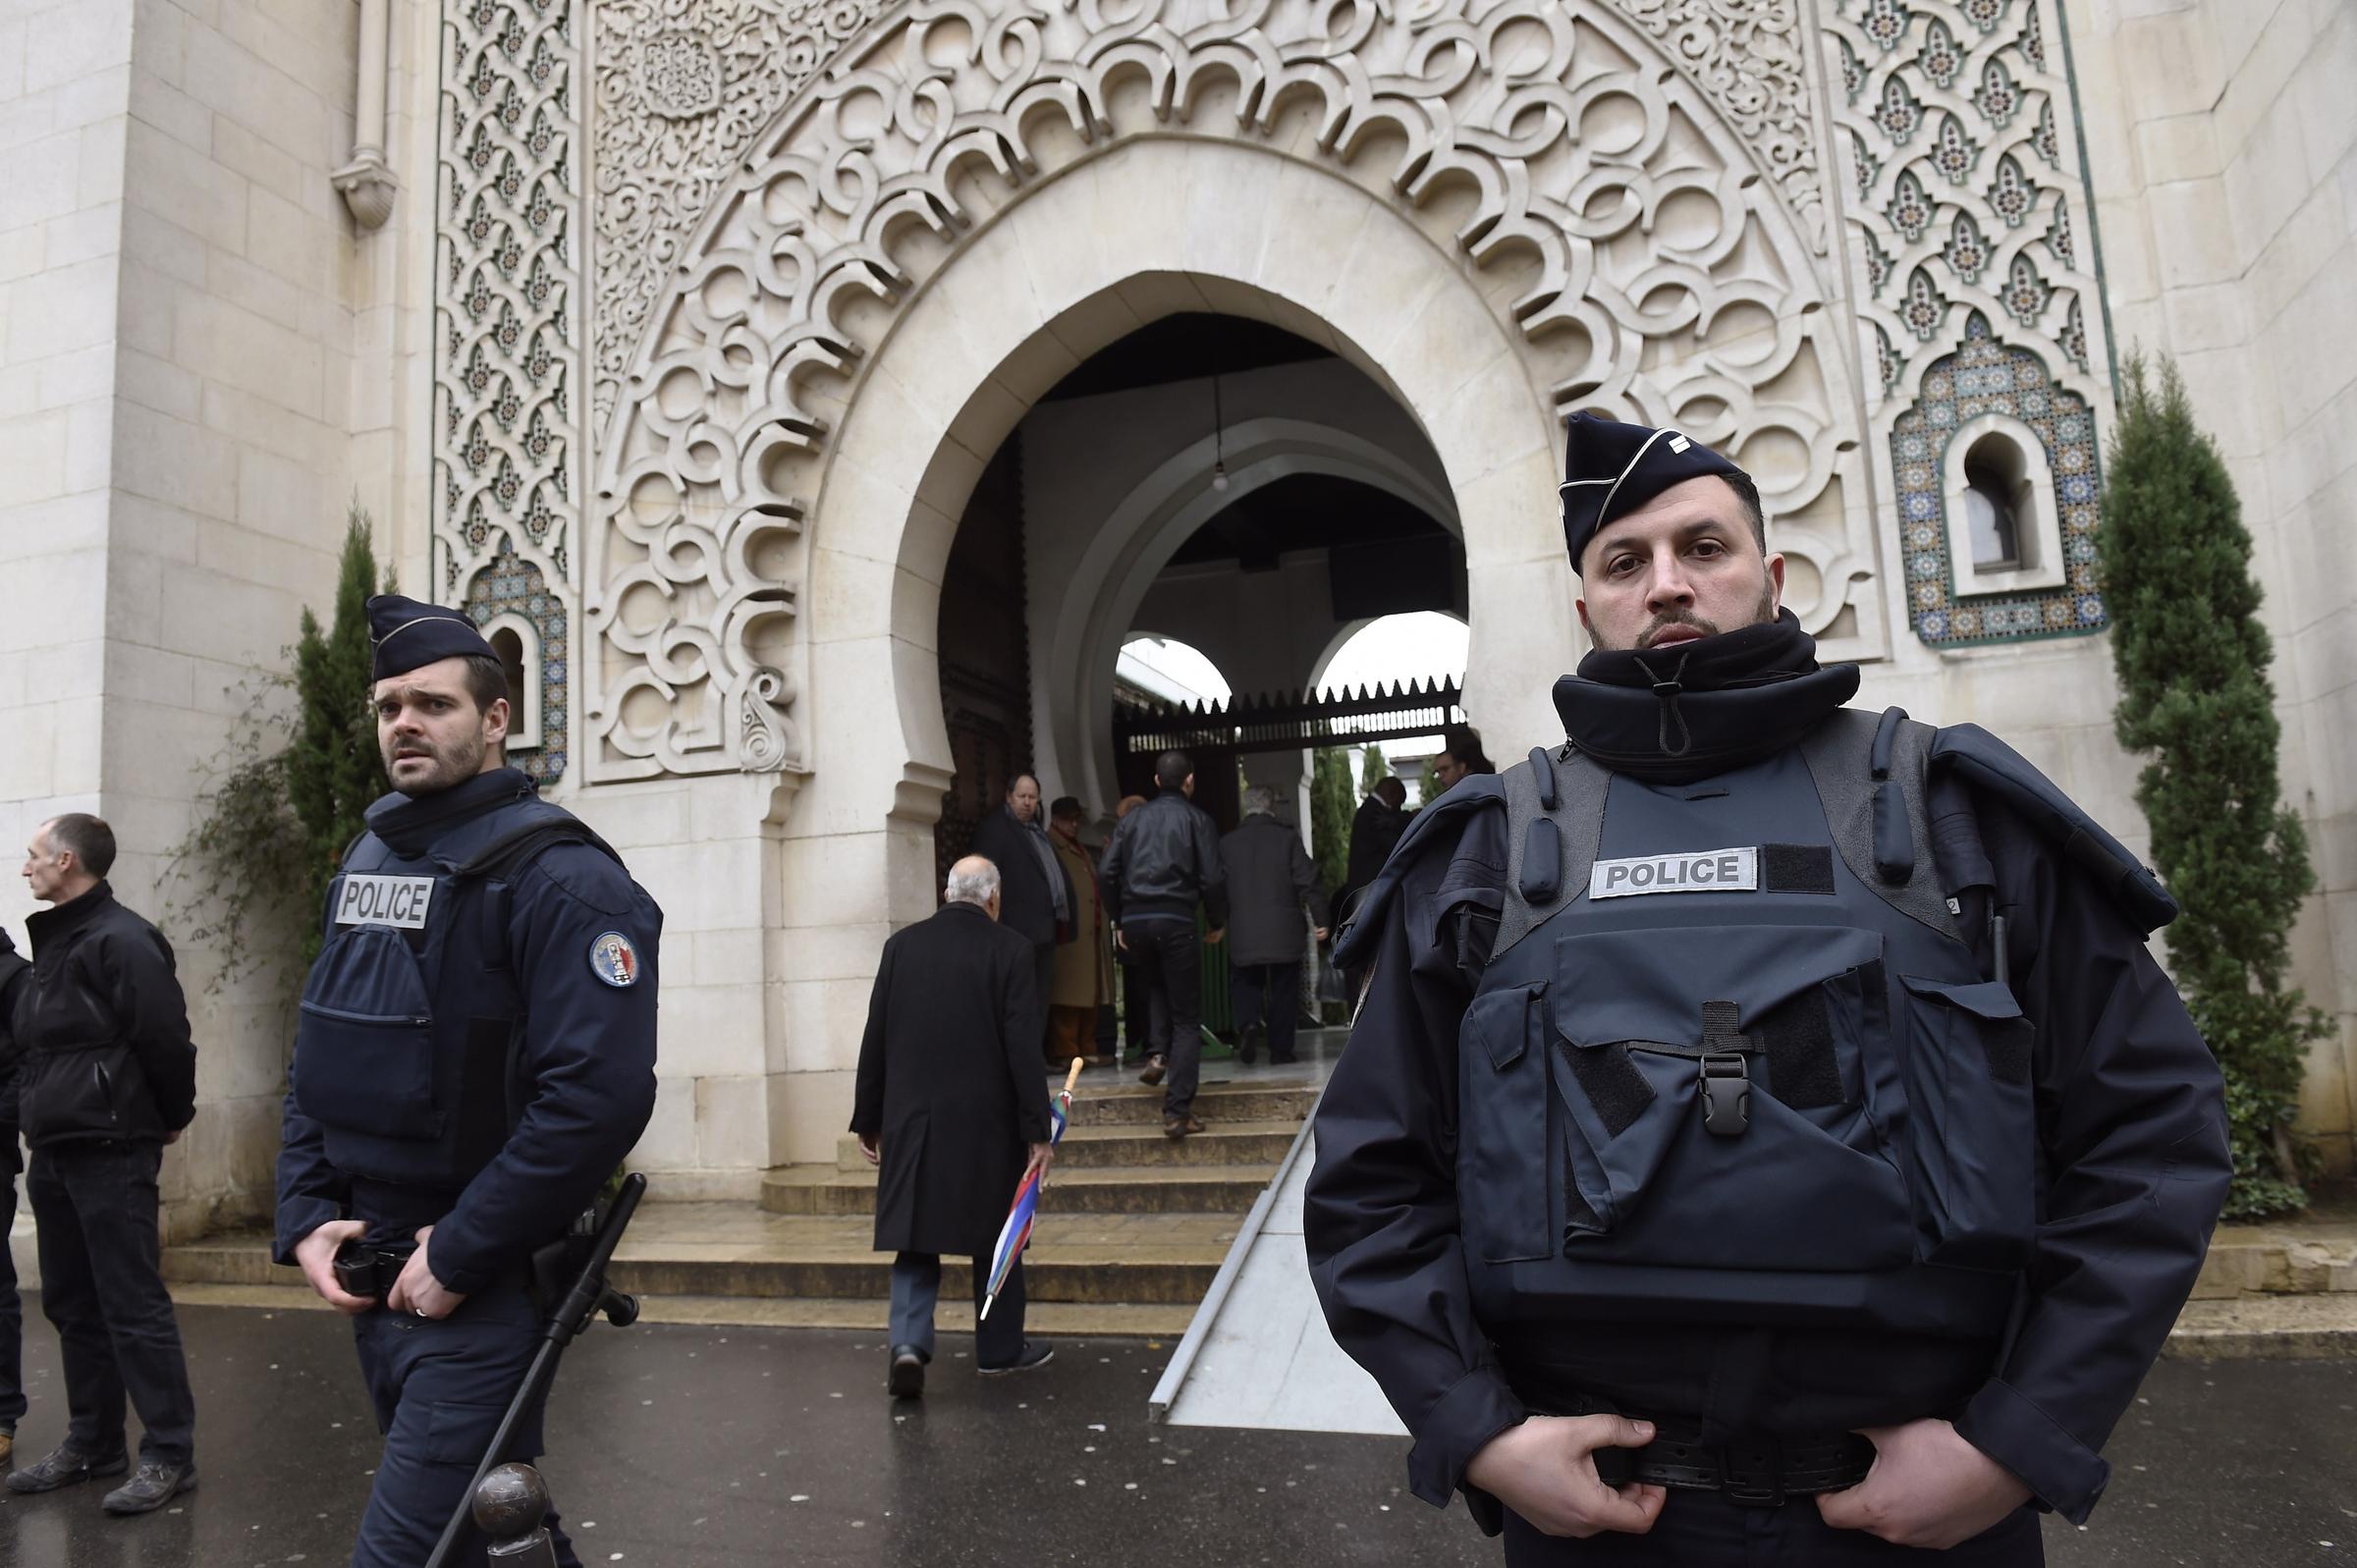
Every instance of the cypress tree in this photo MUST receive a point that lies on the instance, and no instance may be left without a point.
(333, 769)
(2197, 704)
(1330, 806)
(1373, 767)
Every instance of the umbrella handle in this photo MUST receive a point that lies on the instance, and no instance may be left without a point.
(1072, 1079)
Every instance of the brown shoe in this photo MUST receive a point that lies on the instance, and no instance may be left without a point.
(1179, 1126)
(8, 1446)
(1155, 1066)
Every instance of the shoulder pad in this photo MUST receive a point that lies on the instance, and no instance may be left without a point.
(1434, 824)
(1988, 764)
(584, 867)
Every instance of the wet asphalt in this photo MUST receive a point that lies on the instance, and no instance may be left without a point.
(681, 1447)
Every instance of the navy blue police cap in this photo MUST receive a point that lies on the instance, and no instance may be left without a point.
(408, 636)
(1610, 469)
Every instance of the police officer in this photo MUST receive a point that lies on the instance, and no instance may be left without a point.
(1764, 1136)
(13, 969)
(476, 1055)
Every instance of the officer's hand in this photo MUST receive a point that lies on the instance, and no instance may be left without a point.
(1928, 1487)
(1543, 1472)
(316, 1255)
(1213, 937)
(417, 1291)
(870, 1150)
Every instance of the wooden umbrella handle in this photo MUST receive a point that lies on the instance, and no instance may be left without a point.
(1072, 1079)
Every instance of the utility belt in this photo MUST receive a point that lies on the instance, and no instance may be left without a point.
(1759, 1472)
(365, 1268)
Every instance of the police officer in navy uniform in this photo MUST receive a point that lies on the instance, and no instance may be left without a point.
(476, 1055)
(1764, 1136)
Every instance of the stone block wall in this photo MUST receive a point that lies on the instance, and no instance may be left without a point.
(2221, 137)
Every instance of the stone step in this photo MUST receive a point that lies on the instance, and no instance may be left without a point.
(1133, 1104)
(1224, 1143)
(1113, 1190)
(735, 1250)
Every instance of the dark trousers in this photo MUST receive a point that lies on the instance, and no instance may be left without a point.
(103, 1284)
(1137, 1006)
(1043, 962)
(917, 1292)
(440, 1387)
(1165, 953)
(12, 1305)
(1270, 992)
(1702, 1529)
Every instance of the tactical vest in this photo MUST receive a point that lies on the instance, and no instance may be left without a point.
(411, 1016)
(1733, 1060)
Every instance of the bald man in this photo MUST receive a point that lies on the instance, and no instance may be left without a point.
(950, 1107)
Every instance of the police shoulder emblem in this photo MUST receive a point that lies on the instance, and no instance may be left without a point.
(614, 961)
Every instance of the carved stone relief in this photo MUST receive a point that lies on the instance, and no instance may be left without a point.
(507, 349)
(1651, 258)
(1959, 207)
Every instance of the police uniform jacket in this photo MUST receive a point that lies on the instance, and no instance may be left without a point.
(950, 1082)
(14, 966)
(101, 1028)
(2129, 1155)
(476, 1046)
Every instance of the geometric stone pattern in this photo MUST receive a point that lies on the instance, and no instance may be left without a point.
(509, 584)
(1957, 123)
(1648, 260)
(1985, 377)
(507, 365)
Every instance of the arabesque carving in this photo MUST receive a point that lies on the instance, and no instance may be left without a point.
(1647, 256)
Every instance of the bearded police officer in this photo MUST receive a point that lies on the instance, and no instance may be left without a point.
(475, 1057)
(1765, 1137)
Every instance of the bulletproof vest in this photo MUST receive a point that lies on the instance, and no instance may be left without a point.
(411, 1016)
(1733, 1060)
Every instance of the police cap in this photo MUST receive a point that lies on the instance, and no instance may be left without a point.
(1610, 469)
(408, 636)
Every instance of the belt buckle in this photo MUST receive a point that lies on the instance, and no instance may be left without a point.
(1725, 1094)
(1751, 1476)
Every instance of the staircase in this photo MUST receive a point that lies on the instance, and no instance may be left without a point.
(1132, 1228)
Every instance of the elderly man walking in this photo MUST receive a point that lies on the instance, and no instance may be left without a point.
(1269, 881)
(948, 1097)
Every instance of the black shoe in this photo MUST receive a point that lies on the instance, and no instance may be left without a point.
(907, 1380)
(156, 1483)
(1247, 1045)
(1035, 1354)
(63, 1466)
(1179, 1126)
(1155, 1066)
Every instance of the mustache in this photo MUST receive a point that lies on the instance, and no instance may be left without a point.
(1674, 618)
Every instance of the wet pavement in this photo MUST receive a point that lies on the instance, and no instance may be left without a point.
(681, 1447)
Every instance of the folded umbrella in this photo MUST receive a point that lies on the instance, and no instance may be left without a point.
(1015, 1234)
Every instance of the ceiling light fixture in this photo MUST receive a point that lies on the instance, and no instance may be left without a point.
(1219, 448)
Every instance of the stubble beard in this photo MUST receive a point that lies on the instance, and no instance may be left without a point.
(1762, 613)
(452, 766)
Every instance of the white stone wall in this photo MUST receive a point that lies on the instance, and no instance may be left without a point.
(2222, 141)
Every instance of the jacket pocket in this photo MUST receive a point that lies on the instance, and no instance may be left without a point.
(364, 1044)
(1973, 1149)
(94, 1092)
(1501, 1143)
(1727, 1094)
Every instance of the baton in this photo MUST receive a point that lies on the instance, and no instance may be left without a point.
(588, 1296)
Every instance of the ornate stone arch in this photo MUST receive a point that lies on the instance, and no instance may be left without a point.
(1581, 169)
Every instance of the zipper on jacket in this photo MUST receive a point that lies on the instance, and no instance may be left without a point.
(341, 1016)
(106, 1092)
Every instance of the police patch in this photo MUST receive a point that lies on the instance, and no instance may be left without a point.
(1711, 871)
(614, 961)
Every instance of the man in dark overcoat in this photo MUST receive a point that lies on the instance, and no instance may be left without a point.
(1035, 893)
(948, 1106)
(1269, 881)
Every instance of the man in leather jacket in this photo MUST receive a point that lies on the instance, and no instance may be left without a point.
(106, 1077)
(1703, 1394)
(1164, 860)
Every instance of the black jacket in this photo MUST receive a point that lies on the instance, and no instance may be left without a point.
(949, 1081)
(101, 1028)
(1164, 857)
(14, 967)
(1270, 881)
(1026, 904)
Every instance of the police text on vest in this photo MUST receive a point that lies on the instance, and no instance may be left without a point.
(1704, 871)
(384, 901)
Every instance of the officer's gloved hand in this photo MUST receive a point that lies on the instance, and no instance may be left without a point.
(316, 1254)
(1543, 1472)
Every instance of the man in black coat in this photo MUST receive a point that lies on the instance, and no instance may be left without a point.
(1269, 881)
(1033, 887)
(107, 1076)
(949, 1096)
(1676, 1224)
(1374, 832)
(13, 969)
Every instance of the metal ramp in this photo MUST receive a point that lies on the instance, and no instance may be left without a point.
(1257, 1353)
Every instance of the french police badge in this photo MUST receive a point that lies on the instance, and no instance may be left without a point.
(614, 961)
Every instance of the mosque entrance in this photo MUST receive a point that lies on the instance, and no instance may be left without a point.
(1210, 479)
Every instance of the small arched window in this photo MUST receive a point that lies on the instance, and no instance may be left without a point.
(2005, 531)
(516, 642)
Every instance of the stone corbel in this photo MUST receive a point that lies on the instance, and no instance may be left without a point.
(367, 182)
